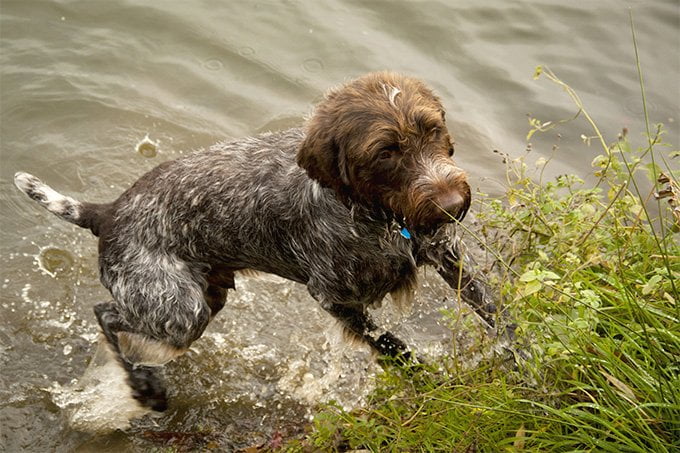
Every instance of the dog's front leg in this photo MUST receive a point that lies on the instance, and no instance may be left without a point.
(355, 320)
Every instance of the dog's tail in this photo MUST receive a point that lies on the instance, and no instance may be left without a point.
(86, 215)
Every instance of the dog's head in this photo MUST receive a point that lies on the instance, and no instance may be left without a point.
(381, 141)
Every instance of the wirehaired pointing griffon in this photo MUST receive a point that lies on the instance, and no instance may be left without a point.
(349, 205)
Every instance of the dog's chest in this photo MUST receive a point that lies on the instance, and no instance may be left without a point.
(364, 266)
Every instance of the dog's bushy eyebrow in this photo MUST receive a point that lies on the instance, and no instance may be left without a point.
(383, 137)
(426, 119)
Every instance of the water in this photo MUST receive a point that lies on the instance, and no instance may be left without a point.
(85, 82)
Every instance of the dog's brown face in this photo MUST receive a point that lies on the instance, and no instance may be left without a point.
(382, 141)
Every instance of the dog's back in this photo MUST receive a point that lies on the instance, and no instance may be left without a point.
(191, 205)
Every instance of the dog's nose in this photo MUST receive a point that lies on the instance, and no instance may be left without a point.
(454, 205)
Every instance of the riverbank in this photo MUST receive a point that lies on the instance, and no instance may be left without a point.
(591, 275)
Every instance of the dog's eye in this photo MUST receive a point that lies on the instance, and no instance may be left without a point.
(451, 150)
(389, 152)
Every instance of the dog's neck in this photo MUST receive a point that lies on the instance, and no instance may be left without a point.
(389, 221)
(362, 211)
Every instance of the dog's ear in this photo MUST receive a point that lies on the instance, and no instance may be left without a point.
(322, 156)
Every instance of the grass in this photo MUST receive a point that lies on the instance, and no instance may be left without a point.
(590, 274)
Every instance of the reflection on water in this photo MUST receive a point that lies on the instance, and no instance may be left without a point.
(95, 93)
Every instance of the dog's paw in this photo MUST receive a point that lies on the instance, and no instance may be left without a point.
(148, 389)
(391, 346)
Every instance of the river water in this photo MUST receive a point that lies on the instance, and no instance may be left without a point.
(84, 81)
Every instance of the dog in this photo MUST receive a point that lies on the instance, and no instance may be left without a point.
(350, 205)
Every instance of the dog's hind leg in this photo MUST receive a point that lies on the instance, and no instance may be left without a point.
(219, 279)
(162, 305)
(146, 386)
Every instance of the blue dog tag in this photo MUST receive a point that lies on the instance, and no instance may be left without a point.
(406, 233)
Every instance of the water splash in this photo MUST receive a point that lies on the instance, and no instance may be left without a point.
(100, 401)
(55, 261)
(345, 375)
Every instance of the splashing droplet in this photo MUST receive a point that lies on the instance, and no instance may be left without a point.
(55, 261)
(147, 147)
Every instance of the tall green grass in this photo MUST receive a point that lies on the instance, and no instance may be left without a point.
(592, 279)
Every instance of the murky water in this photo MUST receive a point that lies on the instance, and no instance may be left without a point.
(84, 82)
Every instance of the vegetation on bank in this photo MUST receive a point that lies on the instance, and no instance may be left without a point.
(591, 275)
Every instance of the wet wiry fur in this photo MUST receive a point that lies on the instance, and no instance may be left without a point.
(322, 206)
